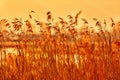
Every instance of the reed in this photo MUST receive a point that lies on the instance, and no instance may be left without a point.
(68, 54)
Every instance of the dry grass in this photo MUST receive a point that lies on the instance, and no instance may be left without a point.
(65, 55)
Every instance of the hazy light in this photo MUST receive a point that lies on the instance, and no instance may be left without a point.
(90, 8)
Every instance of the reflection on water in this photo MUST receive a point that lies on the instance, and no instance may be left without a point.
(62, 58)
(5, 51)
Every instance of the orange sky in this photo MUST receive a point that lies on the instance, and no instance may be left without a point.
(91, 8)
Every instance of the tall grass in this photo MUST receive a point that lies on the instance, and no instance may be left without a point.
(68, 54)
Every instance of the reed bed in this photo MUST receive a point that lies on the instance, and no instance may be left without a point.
(59, 51)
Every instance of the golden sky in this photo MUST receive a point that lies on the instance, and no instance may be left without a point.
(91, 8)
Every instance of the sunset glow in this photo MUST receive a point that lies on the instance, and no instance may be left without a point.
(59, 40)
(91, 8)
